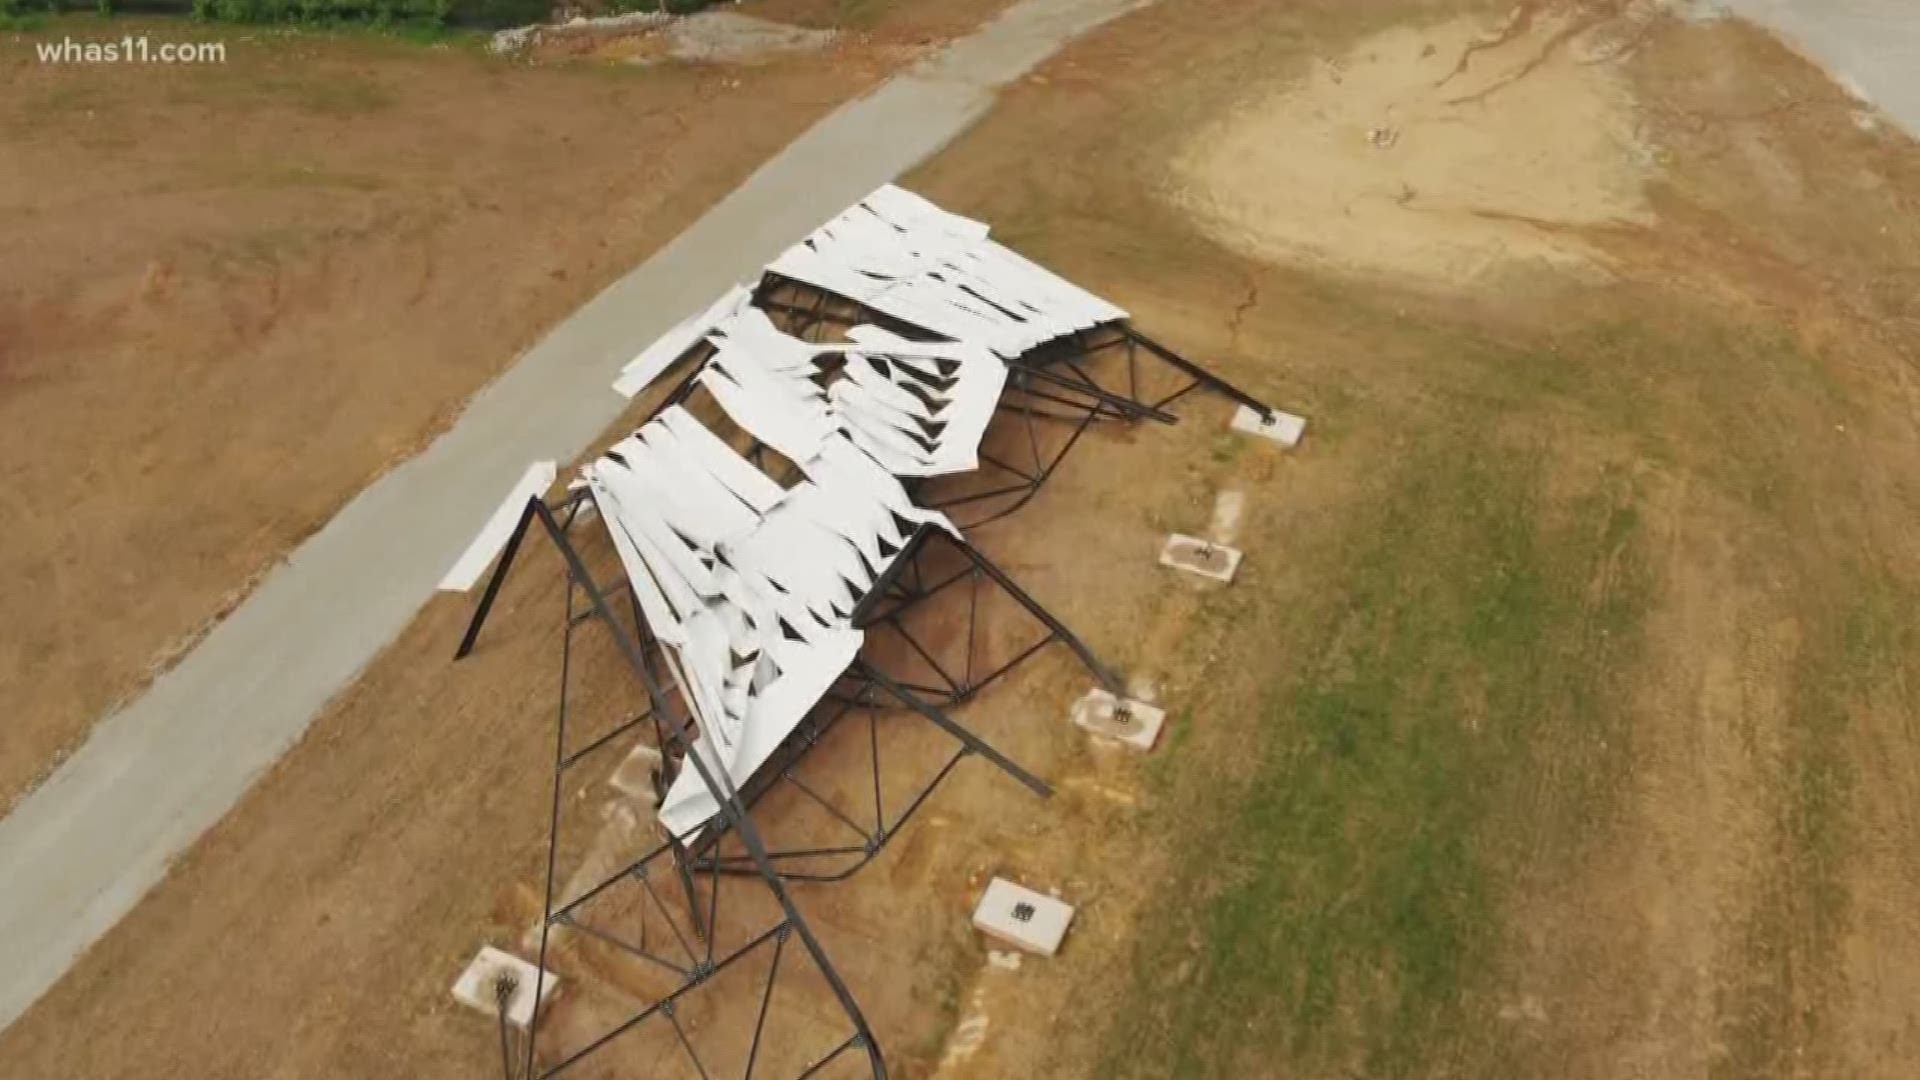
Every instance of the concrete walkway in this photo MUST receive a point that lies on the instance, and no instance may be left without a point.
(80, 851)
(1871, 46)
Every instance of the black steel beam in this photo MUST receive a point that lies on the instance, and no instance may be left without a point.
(946, 723)
(500, 569)
(1201, 374)
(730, 811)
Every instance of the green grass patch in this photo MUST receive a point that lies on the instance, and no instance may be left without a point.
(1448, 723)
(1469, 636)
(861, 12)
(1773, 1014)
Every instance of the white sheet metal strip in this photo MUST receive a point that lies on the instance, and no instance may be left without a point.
(493, 535)
(725, 559)
(656, 358)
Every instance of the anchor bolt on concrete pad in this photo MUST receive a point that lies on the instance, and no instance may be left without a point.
(1019, 918)
(1215, 562)
(1125, 720)
(494, 974)
(1285, 428)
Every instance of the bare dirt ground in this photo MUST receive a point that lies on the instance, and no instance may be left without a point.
(871, 35)
(241, 291)
(1652, 835)
(1460, 166)
(1561, 723)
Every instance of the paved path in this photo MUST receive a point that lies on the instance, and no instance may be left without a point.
(80, 851)
(1871, 45)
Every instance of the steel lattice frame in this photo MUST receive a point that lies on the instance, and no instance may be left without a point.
(731, 847)
(1054, 394)
(869, 688)
(1053, 388)
(695, 889)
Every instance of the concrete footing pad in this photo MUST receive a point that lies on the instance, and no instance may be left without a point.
(1019, 918)
(1215, 562)
(1126, 720)
(1285, 428)
(480, 985)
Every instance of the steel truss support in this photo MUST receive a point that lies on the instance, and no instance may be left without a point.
(686, 939)
(934, 564)
(907, 584)
(1055, 393)
(660, 909)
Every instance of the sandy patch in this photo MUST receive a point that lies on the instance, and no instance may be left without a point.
(730, 37)
(706, 37)
(1439, 152)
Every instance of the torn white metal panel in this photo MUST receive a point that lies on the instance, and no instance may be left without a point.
(704, 664)
(862, 523)
(751, 329)
(901, 255)
(697, 505)
(915, 213)
(804, 263)
(880, 431)
(753, 600)
(754, 487)
(697, 461)
(647, 590)
(870, 372)
(840, 462)
(921, 413)
(970, 409)
(807, 673)
(623, 507)
(1033, 278)
(767, 417)
(674, 559)
(642, 370)
(499, 526)
(877, 339)
(898, 426)
(751, 586)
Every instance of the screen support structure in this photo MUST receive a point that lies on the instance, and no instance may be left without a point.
(695, 949)
(683, 879)
(932, 565)
(1055, 393)
(914, 580)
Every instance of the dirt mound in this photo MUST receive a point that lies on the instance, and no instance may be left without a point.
(1440, 152)
(707, 37)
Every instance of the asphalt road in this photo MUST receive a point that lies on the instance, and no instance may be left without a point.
(80, 851)
(1872, 46)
